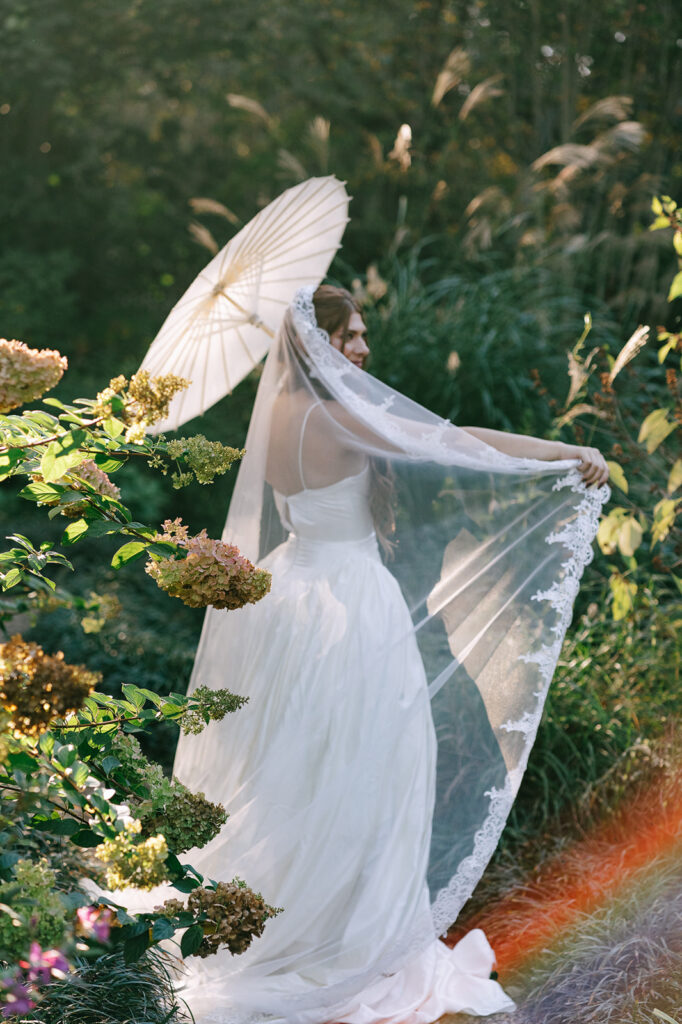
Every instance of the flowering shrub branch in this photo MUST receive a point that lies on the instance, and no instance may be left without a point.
(68, 458)
(72, 774)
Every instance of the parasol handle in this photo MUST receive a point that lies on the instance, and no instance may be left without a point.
(251, 318)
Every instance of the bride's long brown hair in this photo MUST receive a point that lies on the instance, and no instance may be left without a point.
(333, 310)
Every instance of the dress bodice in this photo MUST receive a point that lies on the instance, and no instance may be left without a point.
(337, 512)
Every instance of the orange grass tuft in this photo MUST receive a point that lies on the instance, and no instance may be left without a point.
(582, 878)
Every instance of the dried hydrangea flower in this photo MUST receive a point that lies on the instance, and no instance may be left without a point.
(234, 915)
(27, 373)
(87, 472)
(147, 400)
(36, 688)
(213, 573)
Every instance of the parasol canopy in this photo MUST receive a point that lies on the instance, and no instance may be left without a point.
(223, 325)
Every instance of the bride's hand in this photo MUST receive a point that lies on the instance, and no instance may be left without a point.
(593, 467)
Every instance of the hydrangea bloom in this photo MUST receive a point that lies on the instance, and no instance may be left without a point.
(213, 573)
(147, 400)
(131, 862)
(91, 474)
(32, 894)
(187, 820)
(206, 459)
(36, 688)
(27, 373)
(210, 705)
(234, 915)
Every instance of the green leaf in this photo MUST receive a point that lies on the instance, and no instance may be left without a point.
(24, 542)
(669, 346)
(46, 744)
(105, 502)
(11, 578)
(164, 549)
(22, 760)
(63, 455)
(134, 695)
(656, 206)
(163, 929)
(629, 537)
(134, 947)
(186, 884)
(66, 755)
(153, 697)
(675, 287)
(169, 710)
(8, 460)
(665, 513)
(107, 464)
(191, 940)
(128, 553)
(617, 476)
(85, 837)
(102, 527)
(113, 427)
(41, 492)
(655, 428)
(675, 478)
(75, 531)
(623, 596)
(78, 773)
(41, 419)
(109, 763)
(57, 826)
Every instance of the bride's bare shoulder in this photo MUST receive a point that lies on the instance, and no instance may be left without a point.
(289, 407)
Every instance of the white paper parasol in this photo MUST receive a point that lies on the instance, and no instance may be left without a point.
(223, 324)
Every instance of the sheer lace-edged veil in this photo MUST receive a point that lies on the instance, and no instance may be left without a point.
(488, 551)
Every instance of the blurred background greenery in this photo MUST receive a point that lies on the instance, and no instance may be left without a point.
(502, 155)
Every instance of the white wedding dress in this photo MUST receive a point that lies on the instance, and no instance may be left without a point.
(390, 714)
(331, 795)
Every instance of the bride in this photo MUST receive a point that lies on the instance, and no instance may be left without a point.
(423, 577)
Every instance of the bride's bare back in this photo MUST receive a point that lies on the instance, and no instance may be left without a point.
(305, 433)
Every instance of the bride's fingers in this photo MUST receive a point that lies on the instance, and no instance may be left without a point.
(593, 467)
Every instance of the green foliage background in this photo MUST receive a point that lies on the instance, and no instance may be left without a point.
(114, 115)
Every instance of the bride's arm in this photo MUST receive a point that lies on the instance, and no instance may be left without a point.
(592, 466)
(592, 463)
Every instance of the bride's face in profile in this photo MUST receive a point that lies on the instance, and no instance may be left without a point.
(351, 341)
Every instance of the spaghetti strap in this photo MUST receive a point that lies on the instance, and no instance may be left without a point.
(300, 441)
